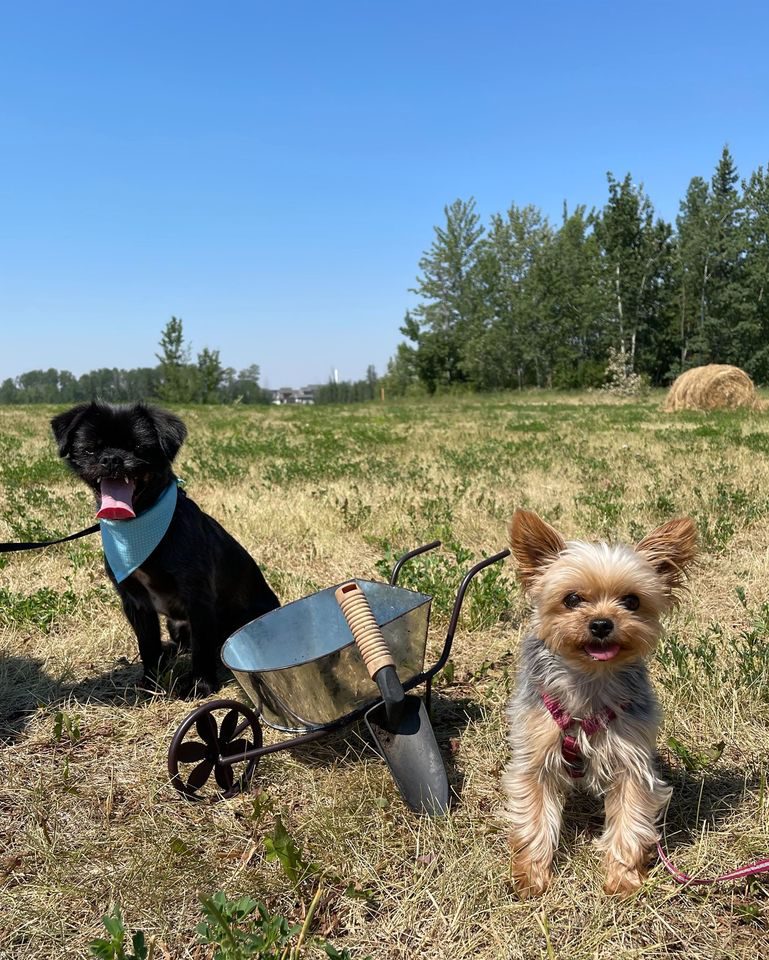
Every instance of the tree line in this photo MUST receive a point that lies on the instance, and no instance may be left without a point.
(522, 302)
(175, 379)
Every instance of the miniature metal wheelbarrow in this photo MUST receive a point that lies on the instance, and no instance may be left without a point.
(317, 665)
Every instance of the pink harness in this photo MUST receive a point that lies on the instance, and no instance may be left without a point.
(573, 757)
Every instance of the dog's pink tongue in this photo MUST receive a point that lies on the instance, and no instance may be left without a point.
(116, 500)
(602, 653)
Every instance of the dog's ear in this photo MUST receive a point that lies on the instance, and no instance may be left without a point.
(534, 543)
(670, 549)
(64, 426)
(169, 428)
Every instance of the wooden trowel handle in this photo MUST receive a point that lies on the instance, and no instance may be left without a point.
(364, 628)
(373, 648)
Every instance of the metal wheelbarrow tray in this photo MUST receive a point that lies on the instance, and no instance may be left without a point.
(303, 671)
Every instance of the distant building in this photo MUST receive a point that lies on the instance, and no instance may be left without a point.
(303, 396)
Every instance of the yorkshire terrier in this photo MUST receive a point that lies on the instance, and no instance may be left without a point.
(584, 710)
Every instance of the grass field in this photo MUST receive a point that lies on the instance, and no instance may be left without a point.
(88, 819)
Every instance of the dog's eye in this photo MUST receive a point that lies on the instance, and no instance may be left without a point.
(630, 601)
(572, 600)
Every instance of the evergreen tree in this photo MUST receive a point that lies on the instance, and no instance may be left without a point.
(715, 328)
(526, 303)
(502, 351)
(657, 348)
(633, 250)
(401, 372)
(67, 392)
(449, 285)
(9, 392)
(729, 336)
(349, 391)
(38, 386)
(372, 382)
(142, 383)
(693, 251)
(244, 388)
(177, 381)
(755, 274)
(210, 375)
(429, 353)
(570, 345)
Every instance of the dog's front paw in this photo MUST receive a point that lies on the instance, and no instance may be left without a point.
(622, 880)
(531, 877)
(190, 687)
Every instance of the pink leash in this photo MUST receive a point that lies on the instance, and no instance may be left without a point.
(574, 762)
(749, 870)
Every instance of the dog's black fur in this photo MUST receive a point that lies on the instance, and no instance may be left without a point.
(198, 576)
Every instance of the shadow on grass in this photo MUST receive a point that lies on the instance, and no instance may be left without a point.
(25, 687)
(710, 797)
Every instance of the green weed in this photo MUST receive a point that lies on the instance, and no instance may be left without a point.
(757, 442)
(725, 659)
(40, 609)
(440, 573)
(20, 513)
(603, 507)
(694, 760)
(66, 726)
(661, 501)
(262, 805)
(722, 516)
(281, 846)
(113, 947)
(17, 472)
(354, 510)
(530, 426)
(244, 929)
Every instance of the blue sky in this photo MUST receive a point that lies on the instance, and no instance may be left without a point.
(272, 172)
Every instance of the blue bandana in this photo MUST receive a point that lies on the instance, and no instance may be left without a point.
(128, 543)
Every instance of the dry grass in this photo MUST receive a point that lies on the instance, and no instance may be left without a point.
(318, 495)
(716, 386)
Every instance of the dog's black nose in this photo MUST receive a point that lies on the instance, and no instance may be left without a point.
(111, 463)
(601, 628)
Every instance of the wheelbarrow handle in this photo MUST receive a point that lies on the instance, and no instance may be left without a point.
(409, 556)
(481, 565)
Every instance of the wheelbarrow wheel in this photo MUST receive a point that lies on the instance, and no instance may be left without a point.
(221, 728)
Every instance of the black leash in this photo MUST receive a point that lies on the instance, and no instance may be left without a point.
(13, 547)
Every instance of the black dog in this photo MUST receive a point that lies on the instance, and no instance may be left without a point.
(197, 575)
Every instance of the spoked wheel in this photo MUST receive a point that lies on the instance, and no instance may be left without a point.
(221, 728)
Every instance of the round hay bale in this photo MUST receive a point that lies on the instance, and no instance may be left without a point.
(716, 386)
